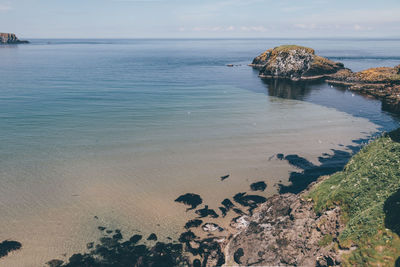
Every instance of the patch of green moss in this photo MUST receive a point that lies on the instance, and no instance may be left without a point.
(286, 48)
(363, 190)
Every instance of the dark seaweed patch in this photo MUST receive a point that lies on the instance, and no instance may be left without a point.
(7, 246)
(206, 212)
(190, 199)
(193, 223)
(258, 186)
(152, 237)
(225, 177)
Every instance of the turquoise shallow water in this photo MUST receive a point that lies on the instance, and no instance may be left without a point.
(119, 128)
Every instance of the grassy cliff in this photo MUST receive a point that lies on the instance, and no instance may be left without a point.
(368, 192)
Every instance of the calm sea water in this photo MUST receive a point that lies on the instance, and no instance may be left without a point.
(119, 128)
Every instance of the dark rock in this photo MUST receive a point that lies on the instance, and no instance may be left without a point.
(227, 204)
(7, 246)
(187, 237)
(206, 212)
(152, 237)
(55, 263)
(90, 245)
(117, 236)
(193, 223)
(196, 263)
(249, 200)
(135, 238)
(237, 255)
(258, 186)
(225, 177)
(190, 199)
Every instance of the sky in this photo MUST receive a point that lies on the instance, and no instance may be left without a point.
(200, 18)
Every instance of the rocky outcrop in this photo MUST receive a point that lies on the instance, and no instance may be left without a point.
(295, 63)
(382, 83)
(10, 38)
(298, 63)
(286, 231)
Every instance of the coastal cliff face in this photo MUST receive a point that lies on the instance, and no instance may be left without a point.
(10, 38)
(295, 63)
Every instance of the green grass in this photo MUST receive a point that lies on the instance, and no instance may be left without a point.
(365, 189)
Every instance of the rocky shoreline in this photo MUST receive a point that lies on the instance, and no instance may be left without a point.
(10, 38)
(299, 63)
(286, 231)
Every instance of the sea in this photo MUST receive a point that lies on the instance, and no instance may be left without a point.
(108, 132)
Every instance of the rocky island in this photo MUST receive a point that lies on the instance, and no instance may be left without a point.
(298, 63)
(295, 63)
(10, 38)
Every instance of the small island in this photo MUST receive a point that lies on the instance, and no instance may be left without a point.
(10, 38)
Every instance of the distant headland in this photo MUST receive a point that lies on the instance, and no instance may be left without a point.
(11, 38)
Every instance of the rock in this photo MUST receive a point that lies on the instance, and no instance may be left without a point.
(225, 177)
(54, 263)
(212, 227)
(295, 63)
(285, 230)
(193, 223)
(10, 38)
(237, 255)
(8, 246)
(90, 245)
(152, 237)
(258, 186)
(190, 199)
(206, 212)
(135, 238)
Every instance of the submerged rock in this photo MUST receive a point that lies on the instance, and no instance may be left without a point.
(206, 212)
(225, 177)
(193, 223)
(7, 246)
(190, 199)
(258, 186)
(295, 63)
(152, 237)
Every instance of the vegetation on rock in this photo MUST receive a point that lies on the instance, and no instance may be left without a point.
(368, 194)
